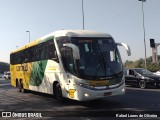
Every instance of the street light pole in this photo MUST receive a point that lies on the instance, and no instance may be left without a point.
(83, 14)
(144, 33)
(29, 35)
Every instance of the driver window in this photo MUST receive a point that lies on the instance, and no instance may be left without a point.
(68, 61)
(131, 72)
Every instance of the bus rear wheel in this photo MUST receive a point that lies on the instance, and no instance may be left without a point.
(21, 88)
(58, 93)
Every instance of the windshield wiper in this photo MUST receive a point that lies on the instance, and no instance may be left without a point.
(98, 68)
(101, 59)
(114, 74)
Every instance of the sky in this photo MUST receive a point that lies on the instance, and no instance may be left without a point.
(120, 18)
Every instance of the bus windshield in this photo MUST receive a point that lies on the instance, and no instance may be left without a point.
(99, 58)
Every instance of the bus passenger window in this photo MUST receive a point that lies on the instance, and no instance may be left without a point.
(41, 51)
(51, 51)
(32, 53)
(26, 56)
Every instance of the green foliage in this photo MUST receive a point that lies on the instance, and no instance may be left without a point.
(153, 67)
(129, 64)
(4, 67)
(140, 64)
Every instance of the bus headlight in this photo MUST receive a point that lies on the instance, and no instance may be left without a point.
(83, 83)
(123, 90)
(86, 95)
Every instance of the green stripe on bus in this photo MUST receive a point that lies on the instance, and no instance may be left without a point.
(37, 74)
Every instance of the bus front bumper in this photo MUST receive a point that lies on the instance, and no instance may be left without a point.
(85, 94)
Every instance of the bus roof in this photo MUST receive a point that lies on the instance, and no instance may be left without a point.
(80, 33)
(70, 33)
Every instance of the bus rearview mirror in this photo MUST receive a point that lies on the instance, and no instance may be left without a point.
(126, 47)
(75, 49)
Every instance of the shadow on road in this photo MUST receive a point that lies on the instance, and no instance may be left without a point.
(135, 99)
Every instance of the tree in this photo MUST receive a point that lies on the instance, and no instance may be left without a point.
(4, 67)
(140, 64)
(153, 67)
(129, 64)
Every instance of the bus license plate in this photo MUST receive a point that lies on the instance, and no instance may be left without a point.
(107, 93)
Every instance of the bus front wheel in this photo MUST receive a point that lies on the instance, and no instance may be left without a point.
(58, 93)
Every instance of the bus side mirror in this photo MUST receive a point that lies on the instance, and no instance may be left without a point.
(126, 47)
(75, 49)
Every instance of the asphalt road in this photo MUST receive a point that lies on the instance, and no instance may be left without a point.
(135, 101)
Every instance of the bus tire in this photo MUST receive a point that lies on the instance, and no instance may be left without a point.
(58, 93)
(17, 84)
(21, 88)
(142, 84)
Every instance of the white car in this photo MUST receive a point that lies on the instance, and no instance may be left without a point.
(157, 73)
(6, 75)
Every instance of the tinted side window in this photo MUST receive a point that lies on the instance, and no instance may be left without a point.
(18, 59)
(67, 59)
(131, 72)
(41, 52)
(33, 52)
(12, 59)
(26, 56)
(22, 57)
(51, 51)
(62, 40)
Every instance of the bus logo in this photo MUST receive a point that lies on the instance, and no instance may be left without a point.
(22, 68)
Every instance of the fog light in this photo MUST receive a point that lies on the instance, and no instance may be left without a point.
(123, 90)
(86, 95)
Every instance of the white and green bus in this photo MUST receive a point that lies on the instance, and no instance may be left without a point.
(76, 64)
